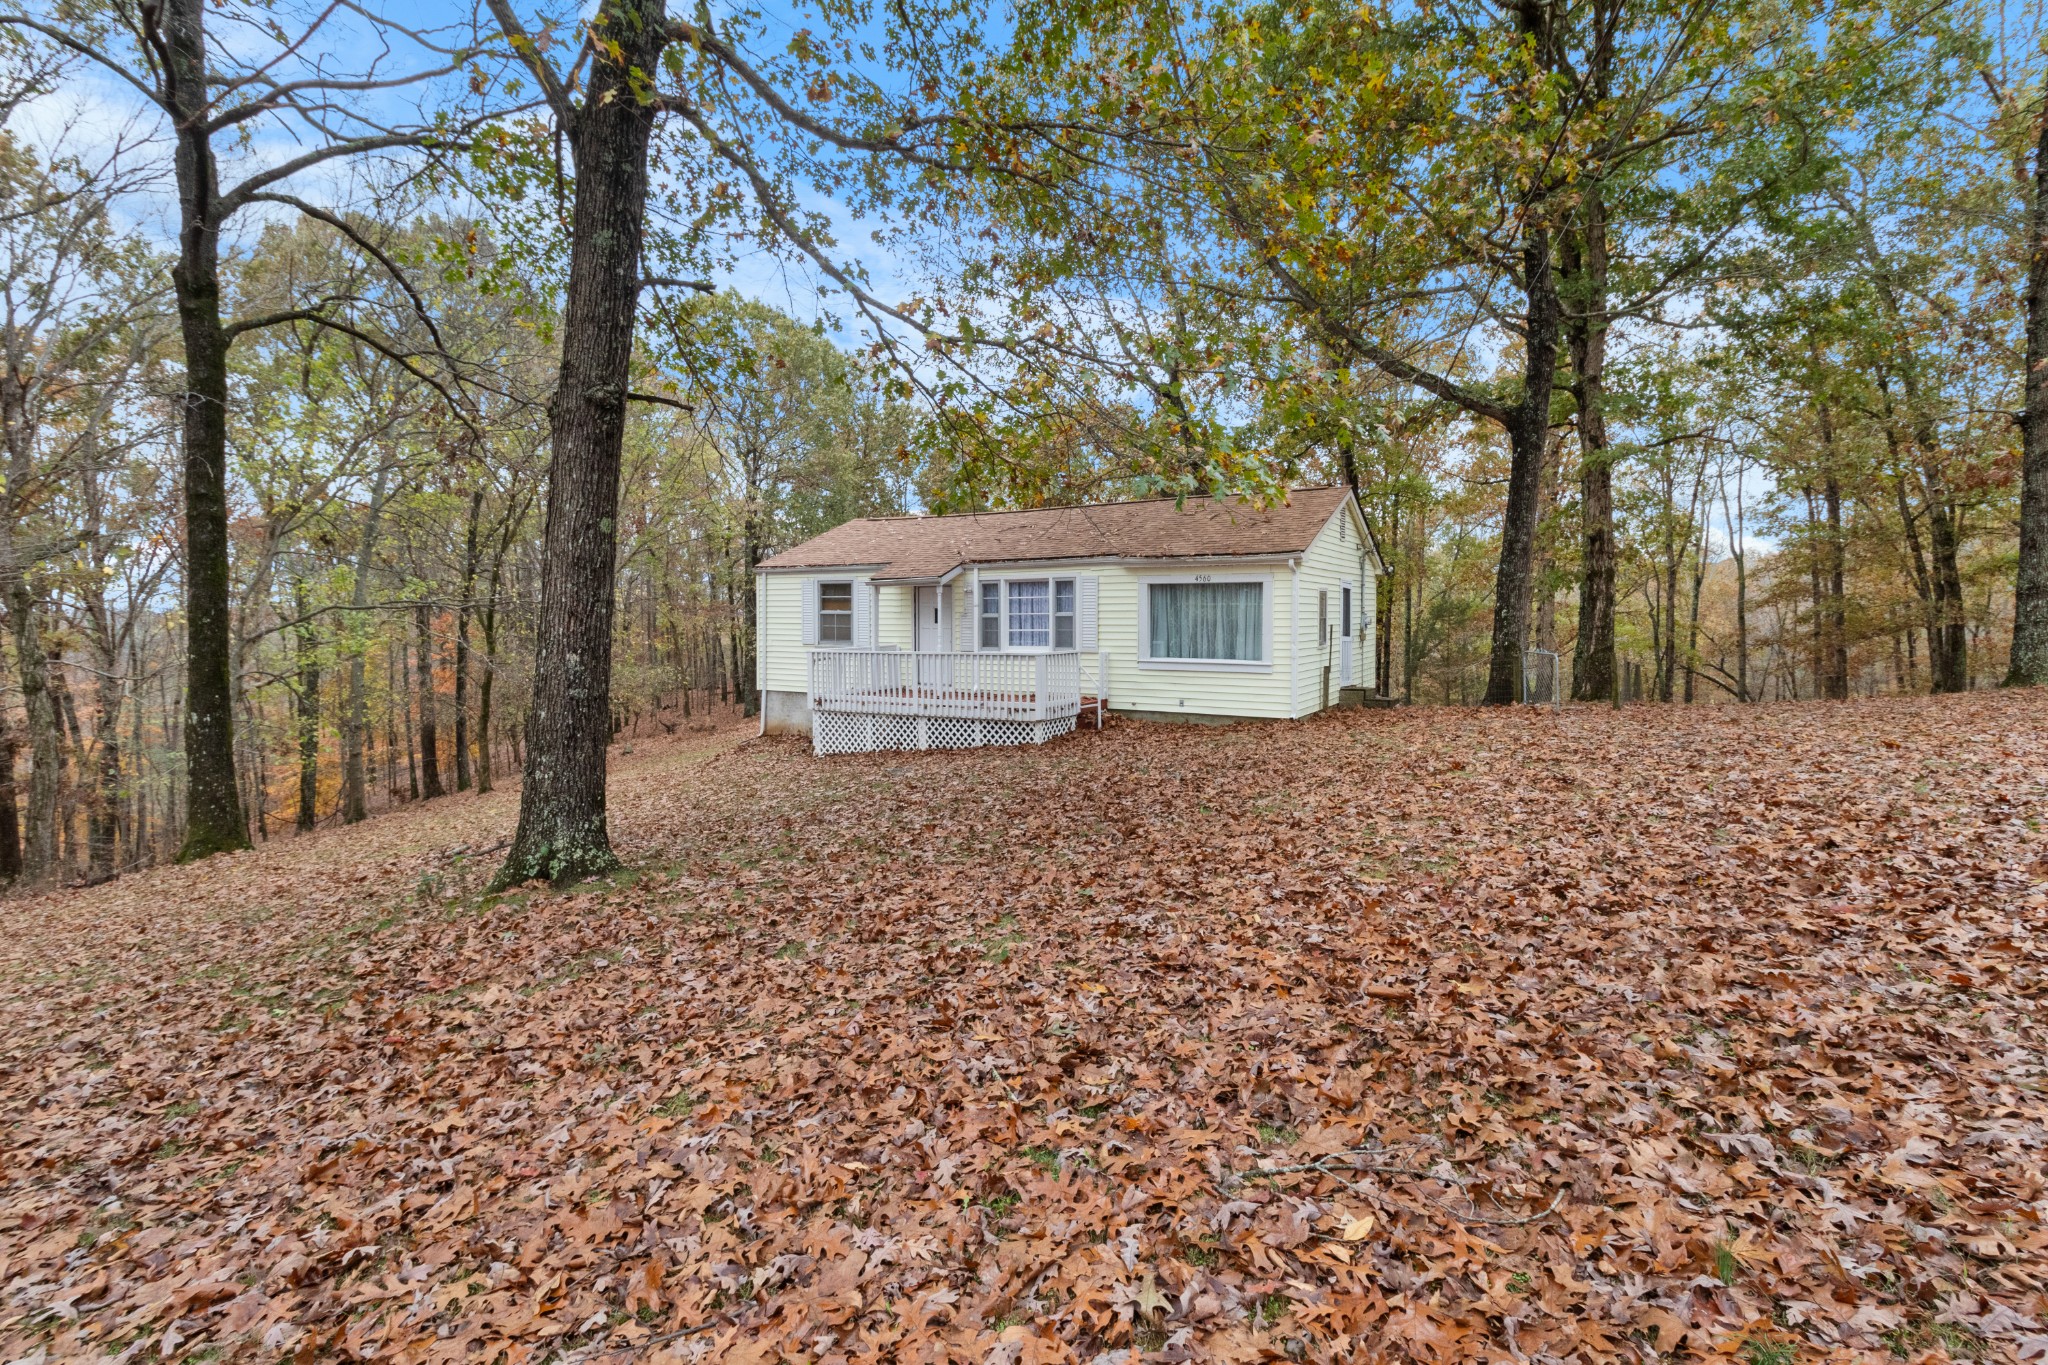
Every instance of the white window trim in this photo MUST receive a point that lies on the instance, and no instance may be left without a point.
(1147, 662)
(1002, 584)
(853, 612)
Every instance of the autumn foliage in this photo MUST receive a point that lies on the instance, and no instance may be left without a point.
(1435, 1034)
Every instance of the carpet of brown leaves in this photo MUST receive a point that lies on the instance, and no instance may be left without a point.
(1438, 1034)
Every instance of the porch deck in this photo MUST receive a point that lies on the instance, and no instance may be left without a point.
(864, 700)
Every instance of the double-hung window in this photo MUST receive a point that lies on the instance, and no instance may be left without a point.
(1205, 622)
(991, 616)
(1029, 613)
(1063, 613)
(835, 613)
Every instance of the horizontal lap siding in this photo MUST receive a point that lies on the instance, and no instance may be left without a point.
(1195, 691)
(781, 664)
(1337, 553)
(780, 650)
(894, 616)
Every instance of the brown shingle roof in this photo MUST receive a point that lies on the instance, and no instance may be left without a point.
(930, 547)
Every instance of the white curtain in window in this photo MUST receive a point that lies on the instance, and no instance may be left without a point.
(1030, 614)
(1207, 621)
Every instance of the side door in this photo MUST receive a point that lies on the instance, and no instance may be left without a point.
(1345, 662)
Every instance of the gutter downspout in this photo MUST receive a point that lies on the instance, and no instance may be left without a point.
(1294, 639)
(760, 638)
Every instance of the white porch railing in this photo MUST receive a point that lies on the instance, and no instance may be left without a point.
(880, 682)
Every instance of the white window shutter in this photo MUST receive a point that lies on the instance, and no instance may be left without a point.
(966, 615)
(863, 614)
(1085, 634)
(810, 612)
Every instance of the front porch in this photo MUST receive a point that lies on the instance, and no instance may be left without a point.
(863, 700)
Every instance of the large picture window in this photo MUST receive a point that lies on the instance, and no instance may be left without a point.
(835, 613)
(1206, 621)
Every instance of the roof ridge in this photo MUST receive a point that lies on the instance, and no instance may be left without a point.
(1079, 506)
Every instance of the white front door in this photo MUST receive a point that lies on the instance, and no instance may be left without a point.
(925, 604)
(1350, 635)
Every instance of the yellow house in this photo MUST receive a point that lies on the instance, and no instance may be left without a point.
(1007, 627)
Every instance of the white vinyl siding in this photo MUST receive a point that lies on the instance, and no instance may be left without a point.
(1108, 617)
(1339, 554)
(1186, 689)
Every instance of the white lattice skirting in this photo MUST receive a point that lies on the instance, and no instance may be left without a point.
(847, 732)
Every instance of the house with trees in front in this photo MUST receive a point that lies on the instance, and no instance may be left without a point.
(1008, 627)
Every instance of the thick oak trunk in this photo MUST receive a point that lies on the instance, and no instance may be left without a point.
(562, 834)
(1528, 429)
(213, 806)
(1585, 260)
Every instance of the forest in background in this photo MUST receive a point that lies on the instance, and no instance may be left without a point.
(1711, 318)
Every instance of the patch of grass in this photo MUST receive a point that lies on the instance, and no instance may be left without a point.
(1001, 1205)
(1757, 1351)
(677, 1105)
(1094, 1111)
(1912, 1338)
(1812, 1160)
(1274, 1307)
(1520, 1283)
(1201, 1256)
(183, 1109)
(789, 952)
(1726, 1267)
(1277, 1135)
(1044, 1158)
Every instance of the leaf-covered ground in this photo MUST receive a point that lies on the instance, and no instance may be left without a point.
(1437, 1034)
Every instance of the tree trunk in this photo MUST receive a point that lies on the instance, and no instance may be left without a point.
(308, 718)
(1817, 646)
(1529, 445)
(562, 835)
(39, 843)
(476, 502)
(103, 811)
(490, 672)
(10, 819)
(213, 807)
(2029, 663)
(1837, 611)
(355, 728)
(1738, 552)
(430, 735)
(1585, 256)
(412, 757)
(1944, 545)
